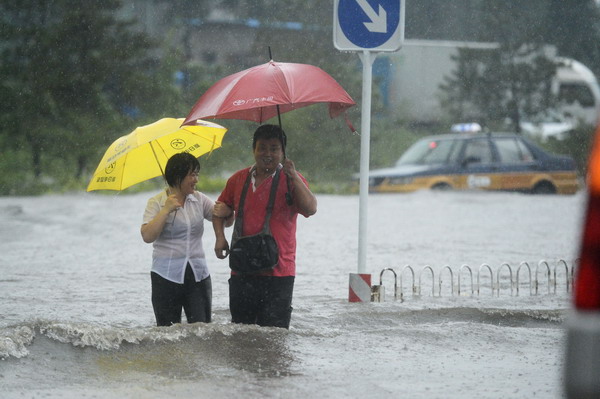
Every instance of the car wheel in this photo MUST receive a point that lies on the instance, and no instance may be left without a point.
(441, 187)
(544, 188)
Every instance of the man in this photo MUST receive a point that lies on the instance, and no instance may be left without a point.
(265, 298)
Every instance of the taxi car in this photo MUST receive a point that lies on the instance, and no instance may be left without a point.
(488, 161)
(582, 354)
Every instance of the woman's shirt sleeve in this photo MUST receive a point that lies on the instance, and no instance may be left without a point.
(207, 207)
(152, 209)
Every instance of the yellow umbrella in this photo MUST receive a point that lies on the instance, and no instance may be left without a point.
(143, 153)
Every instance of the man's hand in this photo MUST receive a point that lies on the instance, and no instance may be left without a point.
(289, 168)
(221, 210)
(221, 248)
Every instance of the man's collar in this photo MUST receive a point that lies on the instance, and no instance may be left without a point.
(253, 170)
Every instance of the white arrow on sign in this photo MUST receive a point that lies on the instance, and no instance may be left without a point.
(378, 22)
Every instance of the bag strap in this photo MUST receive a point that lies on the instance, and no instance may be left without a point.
(238, 227)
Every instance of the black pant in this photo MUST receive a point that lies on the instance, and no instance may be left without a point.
(262, 300)
(168, 298)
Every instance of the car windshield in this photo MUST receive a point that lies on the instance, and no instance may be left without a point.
(428, 152)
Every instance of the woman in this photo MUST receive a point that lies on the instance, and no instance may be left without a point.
(174, 223)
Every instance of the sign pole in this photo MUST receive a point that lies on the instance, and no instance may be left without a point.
(367, 27)
(367, 59)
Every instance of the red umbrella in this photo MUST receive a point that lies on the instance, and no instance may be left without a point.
(264, 91)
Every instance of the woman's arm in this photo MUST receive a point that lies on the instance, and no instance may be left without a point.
(151, 230)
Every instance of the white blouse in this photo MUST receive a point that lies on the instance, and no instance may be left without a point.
(180, 241)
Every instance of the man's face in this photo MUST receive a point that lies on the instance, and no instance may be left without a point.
(268, 154)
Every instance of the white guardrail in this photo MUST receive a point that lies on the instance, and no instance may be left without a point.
(504, 279)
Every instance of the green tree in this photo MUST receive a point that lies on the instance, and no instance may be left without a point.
(510, 82)
(495, 85)
(74, 74)
(573, 26)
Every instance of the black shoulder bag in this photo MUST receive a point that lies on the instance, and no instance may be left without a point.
(258, 252)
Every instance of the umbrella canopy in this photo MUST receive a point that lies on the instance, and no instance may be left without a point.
(143, 153)
(262, 92)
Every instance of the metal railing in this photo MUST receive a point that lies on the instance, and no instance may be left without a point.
(505, 278)
(463, 267)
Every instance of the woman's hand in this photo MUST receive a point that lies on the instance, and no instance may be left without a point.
(172, 203)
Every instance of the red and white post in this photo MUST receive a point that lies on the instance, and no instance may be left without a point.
(360, 288)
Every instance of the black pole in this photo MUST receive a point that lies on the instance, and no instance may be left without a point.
(288, 196)
(278, 113)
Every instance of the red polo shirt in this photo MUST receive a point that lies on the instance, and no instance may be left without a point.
(283, 217)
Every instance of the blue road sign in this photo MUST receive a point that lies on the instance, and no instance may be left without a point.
(375, 25)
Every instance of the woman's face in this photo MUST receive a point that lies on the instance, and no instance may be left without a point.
(188, 184)
(268, 154)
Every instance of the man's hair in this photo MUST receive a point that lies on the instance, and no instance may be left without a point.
(179, 166)
(267, 132)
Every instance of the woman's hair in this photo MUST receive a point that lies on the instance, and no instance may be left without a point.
(179, 166)
(267, 132)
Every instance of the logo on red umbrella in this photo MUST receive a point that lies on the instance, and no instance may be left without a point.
(255, 100)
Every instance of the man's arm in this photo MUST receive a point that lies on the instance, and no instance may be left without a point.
(304, 199)
(222, 217)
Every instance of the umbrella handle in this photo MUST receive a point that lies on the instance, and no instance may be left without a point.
(288, 197)
(279, 116)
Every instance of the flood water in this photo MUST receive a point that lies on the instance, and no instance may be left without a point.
(76, 318)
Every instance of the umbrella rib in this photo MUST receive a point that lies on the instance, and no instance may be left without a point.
(213, 141)
(157, 161)
(212, 147)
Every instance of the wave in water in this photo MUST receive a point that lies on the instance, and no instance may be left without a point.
(15, 340)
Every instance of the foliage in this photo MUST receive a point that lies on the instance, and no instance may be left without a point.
(511, 82)
(514, 81)
(573, 26)
(492, 86)
(65, 94)
(67, 99)
(577, 144)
